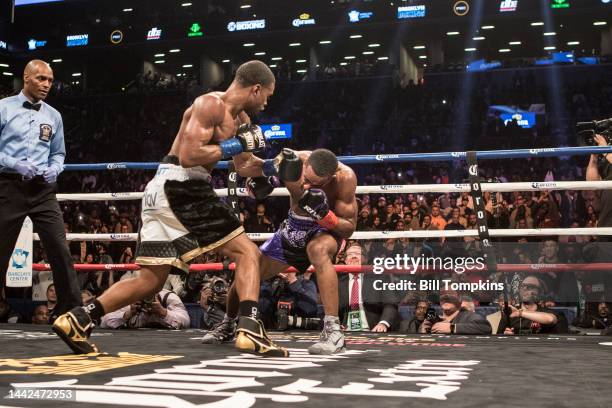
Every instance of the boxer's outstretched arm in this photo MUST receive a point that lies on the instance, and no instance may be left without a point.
(248, 165)
(207, 112)
(346, 206)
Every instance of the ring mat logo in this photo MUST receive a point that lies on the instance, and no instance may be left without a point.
(76, 364)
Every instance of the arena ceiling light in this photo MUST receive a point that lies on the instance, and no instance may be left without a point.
(375, 45)
(573, 43)
(300, 61)
(368, 52)
(301, 71)
(325, 42)
(422, 56)
(537, 23)
(127, 10)
(248, 44)
(383, 58)
(470, 49)
(343, 63)
(76, 74)
(4, 65)
(175, 50)
(356, 36)
(57, 60)
(515, 43)
(599, 23)
(450, 33)
(225, 61)
(277, 58)
(260, 53)
(159, 55)
(186, 5)
(295, 44)
(188, 66)
(272, 66)
(549, 34)
(7, 73)
(160, 62)
(504, 50)
(245, 6)
(488, 27)
(419, 47)
(349, 57)
(550, 48)
(478, 38)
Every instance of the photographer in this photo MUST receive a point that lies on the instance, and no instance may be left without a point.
(600, 168)
(213, 298)
(288, 295)
(454, 320)
(165, 310)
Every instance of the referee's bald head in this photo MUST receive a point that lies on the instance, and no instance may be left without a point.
(37, 80)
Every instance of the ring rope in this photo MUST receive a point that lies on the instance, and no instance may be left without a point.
(506, 268)
(384, 189)
(389, 158)
(366, 235)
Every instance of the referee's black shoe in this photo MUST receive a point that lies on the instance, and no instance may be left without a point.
(252, 338)
(74, 327)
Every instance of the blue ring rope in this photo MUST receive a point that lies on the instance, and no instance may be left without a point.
(388, 158)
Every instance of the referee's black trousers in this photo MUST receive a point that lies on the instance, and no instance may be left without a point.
(36, 199)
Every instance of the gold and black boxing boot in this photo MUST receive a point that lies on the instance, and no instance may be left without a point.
(252, 338)
(74, 327)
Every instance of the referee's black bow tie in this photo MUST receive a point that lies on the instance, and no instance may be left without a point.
(30, 105)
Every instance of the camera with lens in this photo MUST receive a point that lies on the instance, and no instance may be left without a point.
(286, 321)
(432, 317)
(588, 130)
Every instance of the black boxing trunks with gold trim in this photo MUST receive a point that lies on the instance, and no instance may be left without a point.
(182, 217)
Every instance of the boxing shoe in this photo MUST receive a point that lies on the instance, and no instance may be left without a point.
(331, 339)
(252, 338)
(223, 332)
(74, 328)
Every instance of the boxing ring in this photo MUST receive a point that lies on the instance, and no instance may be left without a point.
(161, 368)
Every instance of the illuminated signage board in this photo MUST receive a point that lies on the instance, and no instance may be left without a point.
(154, 33)
(246, 25)
(461, 8)
(277, 131)
(77, 40)
(28, 2)
(195, 30)
(526, 120)
(559, 4)
(304, 19)
(356, 16)
(34, 44)
(411, 11)
(508, 5)
(116, 36)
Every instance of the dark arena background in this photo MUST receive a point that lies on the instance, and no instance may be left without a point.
(479, 268)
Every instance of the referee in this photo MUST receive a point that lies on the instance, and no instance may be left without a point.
(32, 155)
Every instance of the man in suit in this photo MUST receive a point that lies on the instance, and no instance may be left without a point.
(362, 308)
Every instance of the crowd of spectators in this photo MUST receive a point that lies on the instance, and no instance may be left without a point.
(358, 116)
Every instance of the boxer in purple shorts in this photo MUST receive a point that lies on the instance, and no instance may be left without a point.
(323, 213)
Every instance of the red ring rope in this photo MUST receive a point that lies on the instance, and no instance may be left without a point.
(534, 268)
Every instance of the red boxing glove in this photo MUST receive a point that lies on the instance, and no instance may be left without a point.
(329, 221)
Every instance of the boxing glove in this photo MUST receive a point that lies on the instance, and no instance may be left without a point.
(259, 187)
(249, 138)
(287, 166)
(314, 203)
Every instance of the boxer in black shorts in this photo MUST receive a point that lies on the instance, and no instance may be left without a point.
(323, 213)
(182, 217)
